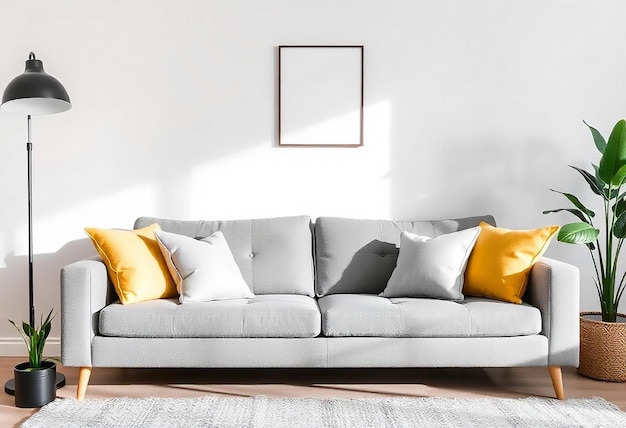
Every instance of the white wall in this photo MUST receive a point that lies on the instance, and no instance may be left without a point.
(471, 107)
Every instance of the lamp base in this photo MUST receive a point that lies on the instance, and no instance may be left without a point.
(9, 386)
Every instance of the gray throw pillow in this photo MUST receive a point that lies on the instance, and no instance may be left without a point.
(432, 267)
(204, 269)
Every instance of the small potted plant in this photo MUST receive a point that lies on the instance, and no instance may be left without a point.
(603, 335)
(35, 380)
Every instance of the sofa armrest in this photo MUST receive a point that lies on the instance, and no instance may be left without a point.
(84, 288)
(554, 288)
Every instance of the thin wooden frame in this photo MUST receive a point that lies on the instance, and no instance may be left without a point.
(320, 95)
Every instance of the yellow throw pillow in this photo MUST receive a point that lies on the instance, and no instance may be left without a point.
(135, 263)
(501, 260)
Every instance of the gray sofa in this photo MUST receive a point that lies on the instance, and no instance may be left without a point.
(316, 304)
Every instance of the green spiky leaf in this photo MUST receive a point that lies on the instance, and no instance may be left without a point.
(35, 338)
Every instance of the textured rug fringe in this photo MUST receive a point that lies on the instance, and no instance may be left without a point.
(261, 411)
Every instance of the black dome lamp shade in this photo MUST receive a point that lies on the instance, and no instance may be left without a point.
(35, 92)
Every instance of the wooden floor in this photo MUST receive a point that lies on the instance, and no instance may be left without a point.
(340, 383)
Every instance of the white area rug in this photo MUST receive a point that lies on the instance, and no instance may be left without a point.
(210, 411)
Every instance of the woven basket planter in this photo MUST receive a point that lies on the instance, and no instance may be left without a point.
(602, 348)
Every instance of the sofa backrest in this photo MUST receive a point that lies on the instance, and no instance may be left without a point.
(358, 256)
(274, 255)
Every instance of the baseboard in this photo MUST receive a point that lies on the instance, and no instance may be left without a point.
(15, 347)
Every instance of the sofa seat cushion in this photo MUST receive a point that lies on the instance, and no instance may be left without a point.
(276, 315)
(371, 315)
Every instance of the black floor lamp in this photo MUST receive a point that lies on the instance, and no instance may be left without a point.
(33, 93)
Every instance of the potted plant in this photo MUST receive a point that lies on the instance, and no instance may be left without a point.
(35, 380)
(602, 335)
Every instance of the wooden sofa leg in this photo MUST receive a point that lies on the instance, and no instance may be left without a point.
(83, 381)
(557, 381)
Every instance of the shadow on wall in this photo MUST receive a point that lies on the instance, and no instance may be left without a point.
(474, 176)
(46, 282)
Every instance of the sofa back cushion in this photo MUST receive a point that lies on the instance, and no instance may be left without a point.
(273, 254)
(355, 256)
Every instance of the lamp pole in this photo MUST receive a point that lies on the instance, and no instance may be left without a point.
(33, 92)
(31, 299)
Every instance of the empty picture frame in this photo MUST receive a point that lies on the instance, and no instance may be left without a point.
(320, 96)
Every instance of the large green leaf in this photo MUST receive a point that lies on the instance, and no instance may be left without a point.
(596, 185)
(576, 202)
(578, 233)
(619, 177)
(619, 230)
(597, 138)
(614, 156)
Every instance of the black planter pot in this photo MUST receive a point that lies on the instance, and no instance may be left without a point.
(35, 388)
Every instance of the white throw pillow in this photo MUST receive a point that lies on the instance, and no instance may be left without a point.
(204, 269)
(431, 267)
